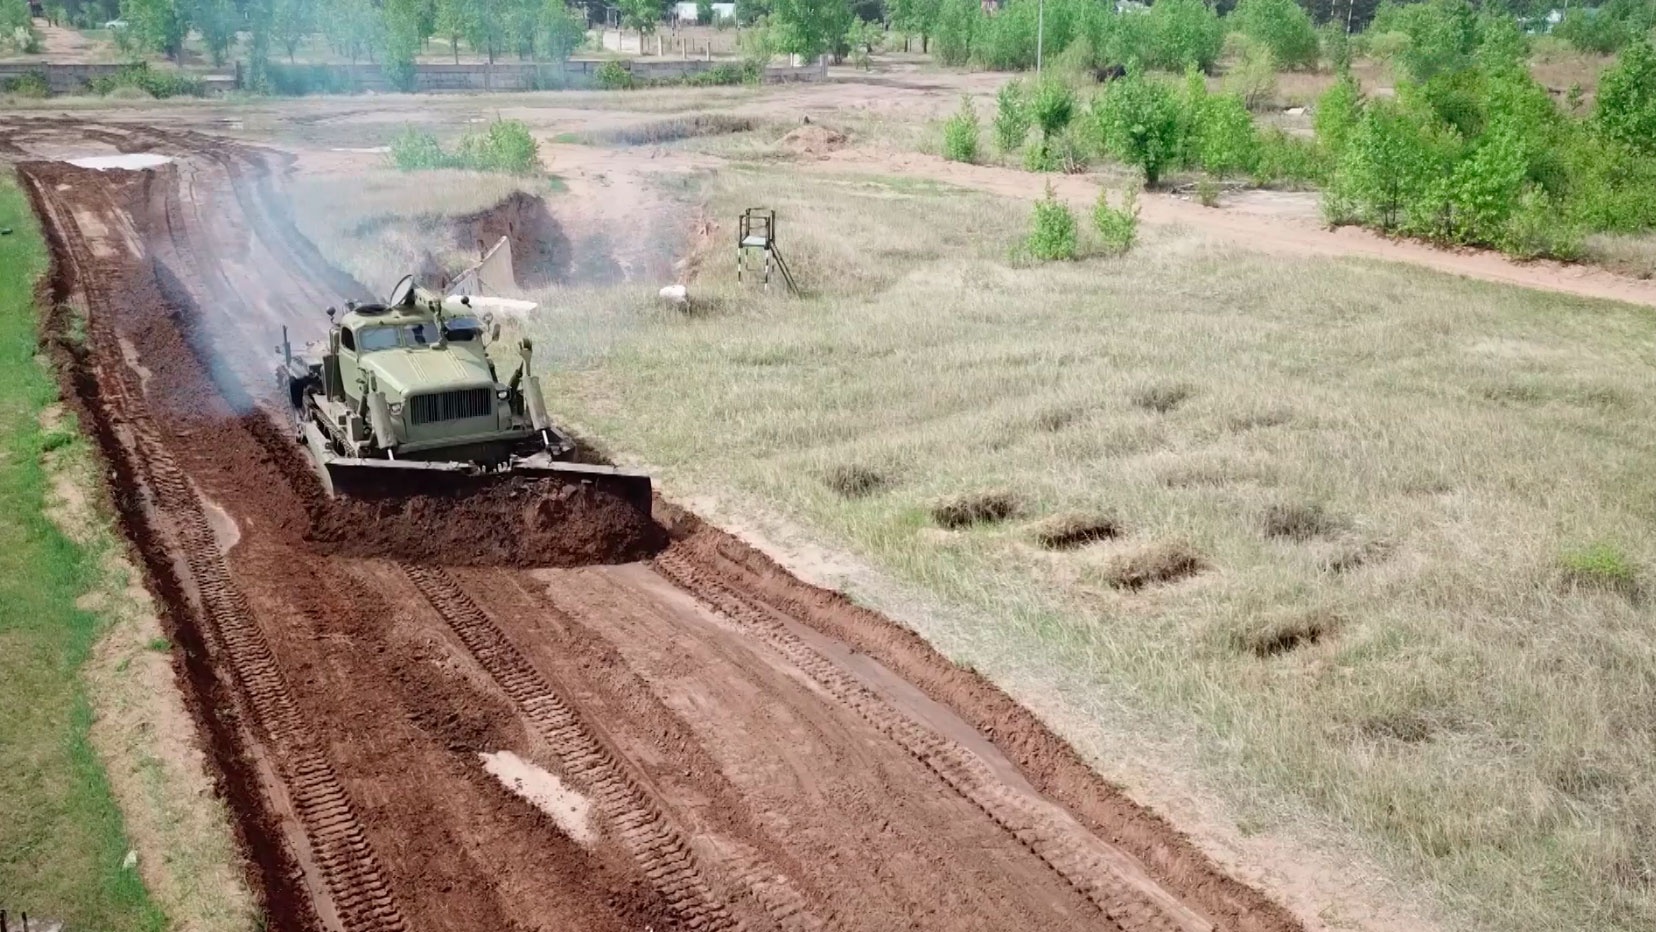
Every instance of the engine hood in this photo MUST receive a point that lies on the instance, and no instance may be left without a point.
(402, 372)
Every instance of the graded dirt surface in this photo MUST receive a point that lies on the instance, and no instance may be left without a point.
(754, 753)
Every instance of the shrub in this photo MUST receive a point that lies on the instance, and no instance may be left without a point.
(299, 80)
(1254, 79)
(413, 150)
(1440, 35)
(1536, 229)
(1011, 117)
(1117, 227)
(1228, 140)
(1282, 27)
(960, 134)
(506, 147)
(614, 76)
(1626, 108)
(1293, 160)
(152, 81)
(1051, 106)
(1052, 235)
(29, 84)
(1183, 33)
(1338, 111)
(1137, 120)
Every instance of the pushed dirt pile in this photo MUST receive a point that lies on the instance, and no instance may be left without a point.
(487, 522)
(813, 141)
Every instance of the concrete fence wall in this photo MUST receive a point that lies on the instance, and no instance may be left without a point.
(429, 78)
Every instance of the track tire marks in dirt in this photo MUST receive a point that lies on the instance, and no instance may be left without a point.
(1106, 878)
(361, 898)
(660, 849)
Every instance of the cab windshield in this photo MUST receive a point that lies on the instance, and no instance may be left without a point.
(405, 335)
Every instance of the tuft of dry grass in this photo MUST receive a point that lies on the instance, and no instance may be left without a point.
(1161, 397)
(1298, 521)
(1071, 531)
(856, 481)
(673, 129)
(1154, 564)
(976, 508)
(1277, 634)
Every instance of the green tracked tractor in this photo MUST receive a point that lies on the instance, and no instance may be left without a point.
(406, 391)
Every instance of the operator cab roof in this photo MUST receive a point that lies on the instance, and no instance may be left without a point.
(403, 307)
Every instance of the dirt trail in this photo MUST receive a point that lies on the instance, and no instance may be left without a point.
(752, 753)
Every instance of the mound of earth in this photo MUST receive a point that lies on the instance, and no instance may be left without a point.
(813, 141)
(488, 522)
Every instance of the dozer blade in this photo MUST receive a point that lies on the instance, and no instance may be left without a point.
(380, 479)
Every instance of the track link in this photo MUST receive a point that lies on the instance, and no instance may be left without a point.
(360, 895)
(662, 852)
(1099, 874)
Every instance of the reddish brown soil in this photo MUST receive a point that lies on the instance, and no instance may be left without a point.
(489, 522)
(757, 754)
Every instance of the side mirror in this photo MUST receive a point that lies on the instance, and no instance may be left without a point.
(466, 300)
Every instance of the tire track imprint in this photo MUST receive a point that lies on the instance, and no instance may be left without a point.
(1108, 879)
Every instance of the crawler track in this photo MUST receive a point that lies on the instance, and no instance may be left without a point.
(745, 768)
(662, 852)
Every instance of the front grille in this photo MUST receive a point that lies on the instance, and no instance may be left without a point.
(450, 406)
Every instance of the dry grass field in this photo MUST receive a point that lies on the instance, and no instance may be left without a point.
(1376, 541)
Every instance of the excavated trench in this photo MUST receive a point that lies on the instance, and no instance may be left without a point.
(754, 753)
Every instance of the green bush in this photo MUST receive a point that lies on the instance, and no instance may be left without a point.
(506, 147)
(1602, 565)
(1138, 121)
(413, 150)
(30, 84)
(1228, 142)
(1282, 27)
(1117, 226)
(1052, 235)
(960, 134)
(1626, 107)
(155, 82)
(614, 76)
(1254, 79)
(1051, 106)
(1536, 229)
(1337, 113)
(1184, 33)
(1293, 161)
(1011, 117)
(1440, 35)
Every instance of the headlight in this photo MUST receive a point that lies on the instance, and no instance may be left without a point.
(396, 408)
(502, 393)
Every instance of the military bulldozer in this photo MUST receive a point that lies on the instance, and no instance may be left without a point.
(407, 391)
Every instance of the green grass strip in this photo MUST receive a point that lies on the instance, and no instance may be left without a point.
(62, 844)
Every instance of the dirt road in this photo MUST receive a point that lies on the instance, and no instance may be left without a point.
(692, 740)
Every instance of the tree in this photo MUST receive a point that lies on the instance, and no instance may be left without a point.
(1184, 32)
(291, 22)
(1440, 36)
(402, 42)
(957, 22)
(704, 12)
(809, 28)
(156, 25)
(1386, 165)
(353, 29)
(259, 19)
(1338, 111)
(215, 20)
(1137, 119)
(1626, 108)
(916, 18)
(640, 15)
(749, 12)
(1281, 26)
(563, 29)
(454, 22)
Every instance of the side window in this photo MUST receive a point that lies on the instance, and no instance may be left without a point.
(347, 339)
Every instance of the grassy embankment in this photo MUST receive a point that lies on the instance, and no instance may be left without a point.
(108, 819)
(1375, 541)
(62, 844)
